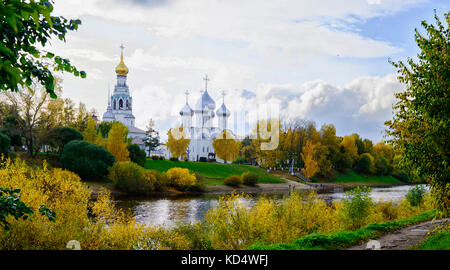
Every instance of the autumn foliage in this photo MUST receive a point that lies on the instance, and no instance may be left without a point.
(308, 156)
(226, 146)
(116, 143)
(177, 142)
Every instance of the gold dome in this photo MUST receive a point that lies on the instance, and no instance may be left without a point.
(121, 68)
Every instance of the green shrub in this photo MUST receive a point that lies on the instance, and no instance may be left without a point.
(365, 164)
(5, 143)
(234, 181)
(240, 160)
(203, 159)
(60, 136)
(357, 207)
(196, 234)
(173, 159)
(415, 195)
(86, 159)
(137, 155)
(250, 179)
(132, 178)
(154, 157)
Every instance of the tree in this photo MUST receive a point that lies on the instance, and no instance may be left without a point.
(90, 133)
(116, 143)
(27, 26)
(29, 107)
(342, 161)
(137, 155)
(382, 166)
(104, 128)
(63, 135)
(366, 164)
(309, 159)
(226, 146)
(349, 145)
(384, 150)
(368, 146)
(11, 129)
(266, 141)
(177, 143)
(420, 126)
(151, 139)
(5, 143)
(359, 144)
(247, 151)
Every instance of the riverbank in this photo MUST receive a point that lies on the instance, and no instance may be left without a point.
(285, 187)
(405, 238)
(356, 239)
(264, 188)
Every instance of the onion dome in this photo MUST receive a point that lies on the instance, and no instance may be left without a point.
(223, 111)
(121, 69)
(187, 110)
(205, 102)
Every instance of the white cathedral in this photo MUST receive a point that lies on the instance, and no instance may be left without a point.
(199, 124)
(120, 105)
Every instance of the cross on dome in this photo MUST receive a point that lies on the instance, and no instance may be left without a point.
(187, 94)
(223, 95)
(206, 79)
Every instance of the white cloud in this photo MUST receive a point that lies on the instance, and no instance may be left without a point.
(295, 27)
(304, 55)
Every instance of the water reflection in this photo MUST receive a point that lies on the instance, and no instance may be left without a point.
(168, 211)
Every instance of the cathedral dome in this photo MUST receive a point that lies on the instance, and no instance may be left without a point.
(121, 68)
(205, 102)
(186, 110)
(223, 111)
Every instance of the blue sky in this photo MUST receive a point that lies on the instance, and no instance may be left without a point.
(325, 61)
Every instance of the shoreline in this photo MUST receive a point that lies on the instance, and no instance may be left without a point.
(273, 188)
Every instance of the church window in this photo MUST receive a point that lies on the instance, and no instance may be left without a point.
(114, 104)
(127, 104)
(120, 103)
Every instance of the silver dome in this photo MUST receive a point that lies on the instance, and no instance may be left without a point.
(186, 110)
(205, 102)
(223, 111)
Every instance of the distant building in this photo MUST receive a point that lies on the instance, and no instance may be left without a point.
(203, 132)
(120, 105)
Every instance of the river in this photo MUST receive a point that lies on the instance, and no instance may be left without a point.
(170, 210)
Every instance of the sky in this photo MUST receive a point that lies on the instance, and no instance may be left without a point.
(320, 60)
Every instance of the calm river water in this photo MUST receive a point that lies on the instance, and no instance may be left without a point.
(170, 210)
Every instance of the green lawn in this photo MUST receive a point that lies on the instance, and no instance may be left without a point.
(353, 177)
(214, 172)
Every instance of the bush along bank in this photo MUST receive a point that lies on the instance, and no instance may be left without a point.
(339, 240)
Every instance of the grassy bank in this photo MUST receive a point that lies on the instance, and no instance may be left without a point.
(214, 173)
(438, 241)
(338, 240)
(353, 177)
